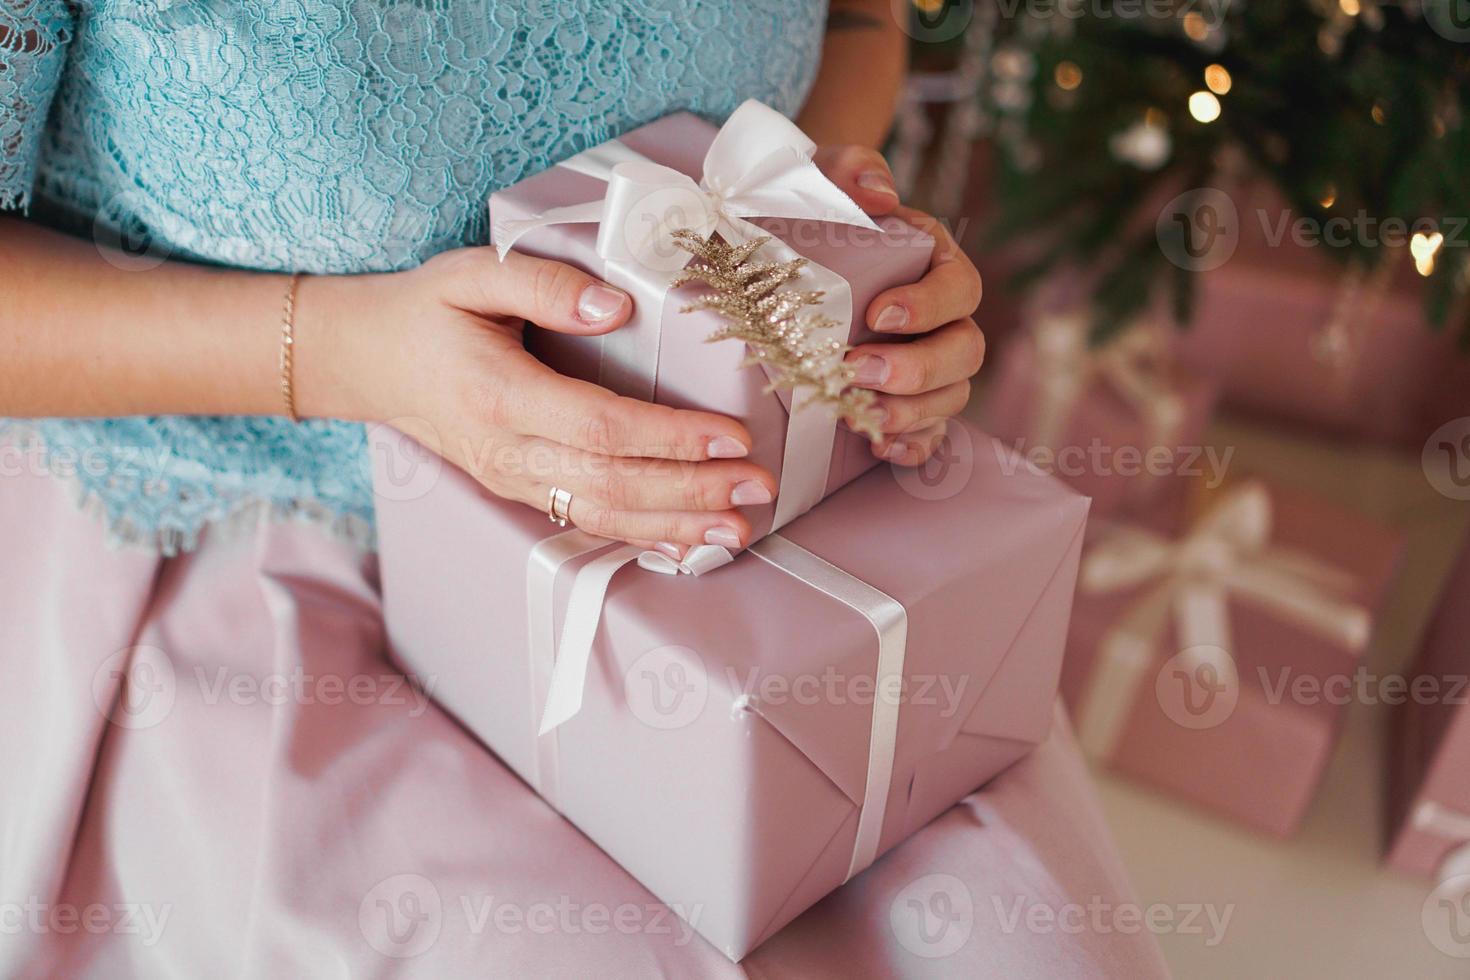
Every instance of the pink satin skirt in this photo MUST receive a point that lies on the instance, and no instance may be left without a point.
(210, 767)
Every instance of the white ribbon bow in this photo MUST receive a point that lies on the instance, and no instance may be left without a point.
(1226, 555)
(759, 165)
(1134, 364)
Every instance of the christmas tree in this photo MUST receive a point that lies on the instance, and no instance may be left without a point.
(1351, 109)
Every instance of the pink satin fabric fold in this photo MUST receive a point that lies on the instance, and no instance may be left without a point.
(215, 759)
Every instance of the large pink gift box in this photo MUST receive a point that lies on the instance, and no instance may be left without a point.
(1120, 425)
(1215, 661)
(729, 751)
(662, 354)
(1429, 769)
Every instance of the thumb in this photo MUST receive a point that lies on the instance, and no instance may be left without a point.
(863, 175)
(550, 294)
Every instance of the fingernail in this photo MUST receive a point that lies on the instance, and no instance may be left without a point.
(877, 180)
(870, 370)
(892, 318)
(896, 451)
(599, 302)
(672, 550)
(749, 492)
(726, 447)
(722, 536)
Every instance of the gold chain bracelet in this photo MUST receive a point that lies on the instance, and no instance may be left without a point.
(288, 345)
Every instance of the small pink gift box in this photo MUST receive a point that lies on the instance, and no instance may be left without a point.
(1119, 423)
(1290, 334)
(662, 354)
(1216, 663)
(1429, 771)
(749, 738)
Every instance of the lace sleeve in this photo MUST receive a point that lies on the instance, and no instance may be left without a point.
(33, 39)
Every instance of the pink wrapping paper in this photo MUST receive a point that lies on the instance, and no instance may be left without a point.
(692, 373)
(1258, 324)
(1429, 766)
(747, 805)
(303, 854)
(1121, 483)
(1261, 764)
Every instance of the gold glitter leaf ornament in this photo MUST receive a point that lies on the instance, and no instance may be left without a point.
(778, 330)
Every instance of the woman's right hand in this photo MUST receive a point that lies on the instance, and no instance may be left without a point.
(442, 343)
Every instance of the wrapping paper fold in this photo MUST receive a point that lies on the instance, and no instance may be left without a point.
(1190, 647)
(661, 354)
(1429, 770)
(1147, 415)
(722, 751)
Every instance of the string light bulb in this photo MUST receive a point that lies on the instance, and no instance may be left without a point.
(1204, 107)
(1217, 79)
(1068, 76)
(1424, 247)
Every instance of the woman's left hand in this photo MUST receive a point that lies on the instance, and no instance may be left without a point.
(923, 382)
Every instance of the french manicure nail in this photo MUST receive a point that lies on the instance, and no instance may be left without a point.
(599, 302)
(896, 451)
(726, 447)
(672, 550)
(722, 536)
(870, 370)
(749, 492)
(877, 180)
(892, 318)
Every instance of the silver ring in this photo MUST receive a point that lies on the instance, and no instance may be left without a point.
(559, 506)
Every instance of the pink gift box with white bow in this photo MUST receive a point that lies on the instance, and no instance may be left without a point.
(1212, 662)
(612, 211)
(746, 740)
(1429, 765)
(1121, 423)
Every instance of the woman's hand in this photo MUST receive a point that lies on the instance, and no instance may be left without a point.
(925, 381)
(442, 344)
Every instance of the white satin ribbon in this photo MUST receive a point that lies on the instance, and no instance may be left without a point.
(566, 688)
(759, 165)
(1441, 821)
(890, 621)
(546, 560)
(1134, 364)
(1226, 555)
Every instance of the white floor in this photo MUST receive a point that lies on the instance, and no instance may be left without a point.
(1320, 905)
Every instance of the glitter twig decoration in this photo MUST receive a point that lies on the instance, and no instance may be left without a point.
(777, 330)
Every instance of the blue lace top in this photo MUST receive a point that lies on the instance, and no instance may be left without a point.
(327, 136)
